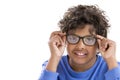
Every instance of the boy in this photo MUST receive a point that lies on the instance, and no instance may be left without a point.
(84, 34)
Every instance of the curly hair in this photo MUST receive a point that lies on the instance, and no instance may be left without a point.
(80, 15)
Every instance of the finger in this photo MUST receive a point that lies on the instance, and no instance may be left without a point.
(100, 37)
(64, 40)
(102, 42)
(100, 46)
(56, 40)
(60, 33)
(99, 43)
(60, 41)
(105, 44)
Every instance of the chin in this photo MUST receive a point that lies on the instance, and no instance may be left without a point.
(80, 61)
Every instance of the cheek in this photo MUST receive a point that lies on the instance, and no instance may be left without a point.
(92, 50)
(70, 48)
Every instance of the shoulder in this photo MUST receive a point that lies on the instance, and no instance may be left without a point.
(102, 62)
(119, 64)
(63, 59)
(44, 64)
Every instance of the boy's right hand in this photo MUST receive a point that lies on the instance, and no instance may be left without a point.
(57, 44)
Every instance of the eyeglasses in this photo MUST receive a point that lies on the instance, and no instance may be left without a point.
(87, 40)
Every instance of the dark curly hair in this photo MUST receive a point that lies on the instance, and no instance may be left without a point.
(79, 16)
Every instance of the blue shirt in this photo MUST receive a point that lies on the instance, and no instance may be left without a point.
(99, 71)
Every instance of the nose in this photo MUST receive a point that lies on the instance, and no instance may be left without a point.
(80, 44)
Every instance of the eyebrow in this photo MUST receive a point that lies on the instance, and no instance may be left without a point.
(78, 35)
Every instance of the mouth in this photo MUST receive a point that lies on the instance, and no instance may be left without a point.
(80, 53)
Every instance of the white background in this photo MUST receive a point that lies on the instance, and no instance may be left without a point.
(25, 26)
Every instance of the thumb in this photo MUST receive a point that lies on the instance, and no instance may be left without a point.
(100, 47)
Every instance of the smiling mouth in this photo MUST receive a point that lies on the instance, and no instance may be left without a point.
(80, 54)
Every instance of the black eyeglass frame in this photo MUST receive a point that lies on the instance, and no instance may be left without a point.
(82, 39)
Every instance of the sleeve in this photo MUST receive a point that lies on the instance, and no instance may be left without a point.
(113, 74)
(45, 74)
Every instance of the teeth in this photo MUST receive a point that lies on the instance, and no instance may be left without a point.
(80, 54)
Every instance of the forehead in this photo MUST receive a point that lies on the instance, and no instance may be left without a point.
(83, 30)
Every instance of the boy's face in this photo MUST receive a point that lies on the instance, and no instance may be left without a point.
(79, 53)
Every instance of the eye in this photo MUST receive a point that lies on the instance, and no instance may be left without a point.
(89, 40)
(72, 39)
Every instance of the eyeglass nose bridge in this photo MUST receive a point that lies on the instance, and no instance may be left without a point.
(81, 38)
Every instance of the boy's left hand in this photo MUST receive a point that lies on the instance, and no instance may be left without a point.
(107, 48)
